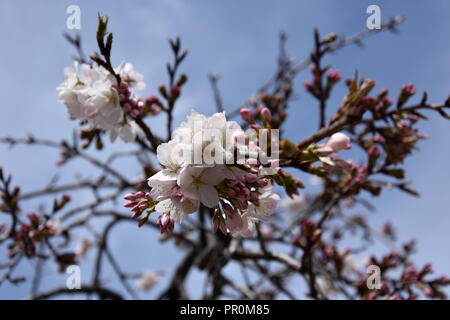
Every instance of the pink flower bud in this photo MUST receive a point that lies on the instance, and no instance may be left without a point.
(155, 109)
(246, 115)
(266, 115)
(176, 90)
(139, 194)
(151, 99)
(333, 76)
(165, 222)
(130, 196)
(338, 141)
(129, 204)
(408, 89)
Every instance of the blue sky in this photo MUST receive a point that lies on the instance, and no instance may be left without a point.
(237, 39)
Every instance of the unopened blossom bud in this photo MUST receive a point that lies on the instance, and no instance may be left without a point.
(151, 99)
(408, 89)
(339, 141)
(139, 194)
(165, 222)
(383, 93)
(387, 102)
(155, 109)
(333, 76)
(175, 90)
(129, 204)
(406, 92)
(162, 90)
(130, 196)
(266, 115)
(246, 115)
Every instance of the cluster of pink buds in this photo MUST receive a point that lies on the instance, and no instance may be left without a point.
(153, 104)
(36, 230)
(407, 91)
(139, 202)
(132, 106)
(269, 117)
(244, 190)
(165, 222)
(315, 87)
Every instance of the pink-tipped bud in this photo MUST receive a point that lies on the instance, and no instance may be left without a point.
(151, 99)
(266, 115)
(339, 141)
(176, 90)
(165, 222)
(246, 115)
(333, 76)
(129, 204)
(408, 89)
(130, 196)
(155, 109)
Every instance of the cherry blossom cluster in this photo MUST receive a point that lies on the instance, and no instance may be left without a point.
(236, 194)
(91, 93)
